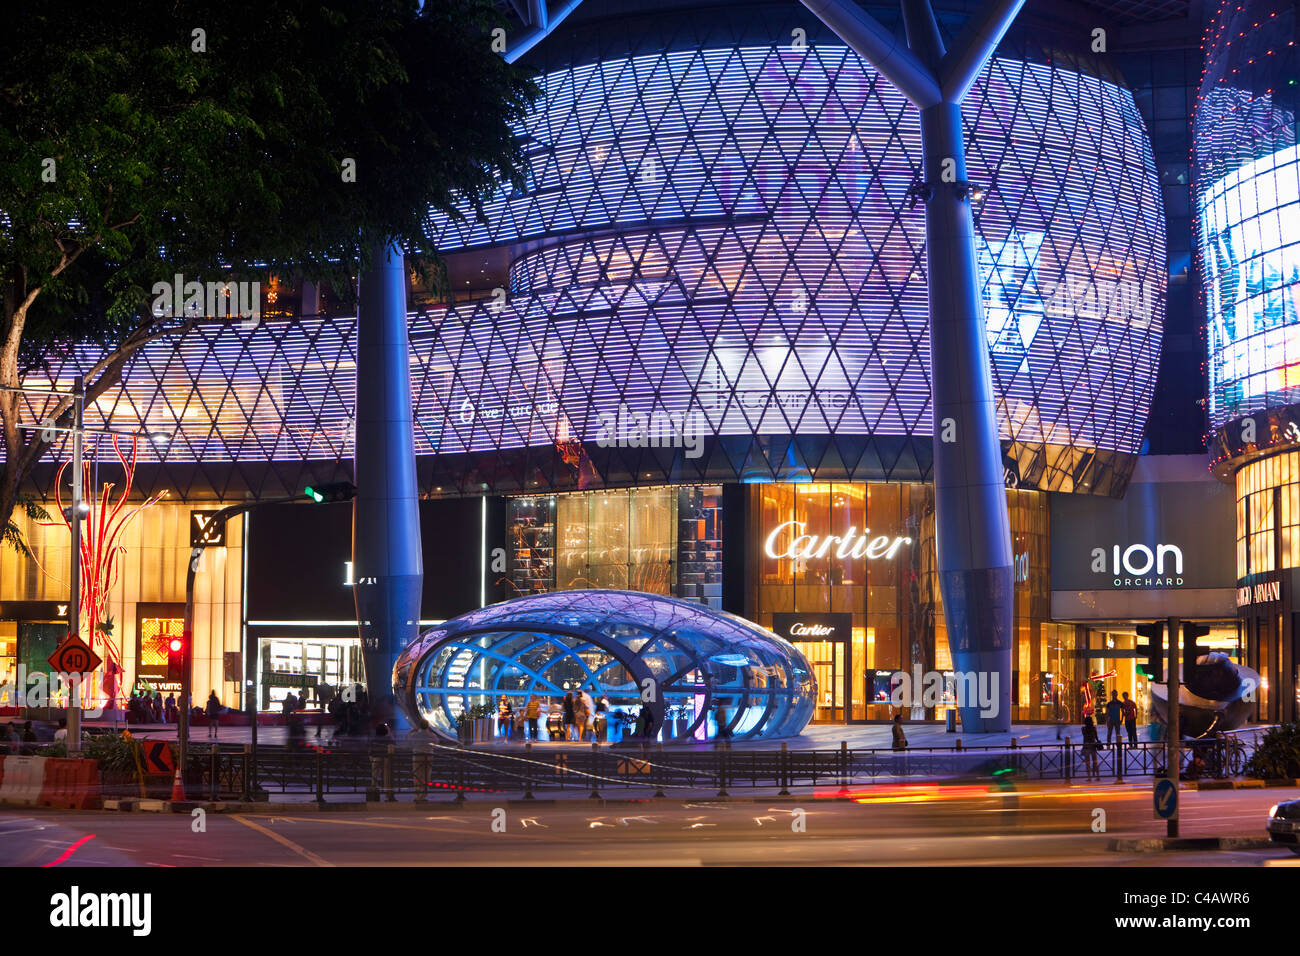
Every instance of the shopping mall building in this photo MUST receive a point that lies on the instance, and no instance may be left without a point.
(691, 358)
(1248, 186)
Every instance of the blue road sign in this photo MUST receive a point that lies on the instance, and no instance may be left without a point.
(1166, 799)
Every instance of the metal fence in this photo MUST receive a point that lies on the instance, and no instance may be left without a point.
(229, 772)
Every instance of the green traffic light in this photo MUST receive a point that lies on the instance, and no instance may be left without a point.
(313, 493)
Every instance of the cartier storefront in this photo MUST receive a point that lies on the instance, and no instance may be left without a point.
(846, 572)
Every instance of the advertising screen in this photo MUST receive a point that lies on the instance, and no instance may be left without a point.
(1250, 233)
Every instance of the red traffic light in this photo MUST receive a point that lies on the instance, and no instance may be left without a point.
(175, 645)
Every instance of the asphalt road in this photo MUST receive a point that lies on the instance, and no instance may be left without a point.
(911, 825)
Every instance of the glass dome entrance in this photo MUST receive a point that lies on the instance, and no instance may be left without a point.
(700, 674)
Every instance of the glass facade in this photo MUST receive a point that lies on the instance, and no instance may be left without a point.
(657, 540)
(302, 665)
(694, 673)
(1268, 514)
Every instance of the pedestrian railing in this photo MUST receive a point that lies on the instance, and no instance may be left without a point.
(382, 771)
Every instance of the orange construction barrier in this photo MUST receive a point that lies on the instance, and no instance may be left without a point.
(71, 784)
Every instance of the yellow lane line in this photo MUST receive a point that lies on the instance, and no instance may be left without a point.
(284, 841)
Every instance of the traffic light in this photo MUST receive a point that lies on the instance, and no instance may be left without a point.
(1191, 649)
(1151, 654)
(175, 659)
(333, 491)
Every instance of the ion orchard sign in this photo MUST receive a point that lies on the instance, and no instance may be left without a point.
(1138, 560)
(851, 544)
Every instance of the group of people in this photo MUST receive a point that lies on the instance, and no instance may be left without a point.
(148, 707)
(1121, 718)
(19, 742)
(350, 712)
(576, 713)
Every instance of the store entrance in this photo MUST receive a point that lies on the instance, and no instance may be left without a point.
(830, 665)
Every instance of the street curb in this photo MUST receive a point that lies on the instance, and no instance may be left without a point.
(1158, 844)
(1249, 783)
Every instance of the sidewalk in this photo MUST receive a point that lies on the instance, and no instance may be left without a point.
(815, 737)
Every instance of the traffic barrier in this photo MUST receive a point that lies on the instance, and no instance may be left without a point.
(23, 779)
(70, 784)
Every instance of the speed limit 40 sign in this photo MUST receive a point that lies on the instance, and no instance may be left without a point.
(73, 656)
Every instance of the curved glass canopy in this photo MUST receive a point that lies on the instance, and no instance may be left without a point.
(701, 673)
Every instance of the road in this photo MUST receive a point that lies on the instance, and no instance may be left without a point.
(907, 825)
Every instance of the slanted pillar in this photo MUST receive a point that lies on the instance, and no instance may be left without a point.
(388, 569)
(972, 530)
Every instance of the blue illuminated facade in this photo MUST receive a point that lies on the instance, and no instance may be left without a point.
(1247, 154)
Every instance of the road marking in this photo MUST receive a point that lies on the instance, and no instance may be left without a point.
(71, 850)
(284, 841)
(369, 823)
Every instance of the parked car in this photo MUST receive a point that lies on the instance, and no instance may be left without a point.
(1284, 824)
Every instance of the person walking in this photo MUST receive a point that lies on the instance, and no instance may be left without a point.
(505, 718)
(1130, 712)
(580, 715)
(568, 716)
(532, 710)
(588, 723)
(900, 739)
(1091, 744)
(213, 712)
(1114, 718)
(724, 731)
(422, 739)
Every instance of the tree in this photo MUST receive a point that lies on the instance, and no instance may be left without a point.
(224, 141)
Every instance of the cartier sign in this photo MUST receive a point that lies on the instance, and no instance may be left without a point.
(813, 627)
(790, 540)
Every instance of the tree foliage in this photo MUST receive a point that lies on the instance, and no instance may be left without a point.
(140, 140)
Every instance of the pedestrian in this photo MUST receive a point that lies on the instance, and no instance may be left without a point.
(288, 706)
(900, 738)
(568, 716)
(62, 732)
(378, 758)
(13, 742)
(213, 713)
(580, 715)
(532, 711)
(651, 724)
(1114, 716)
(505, 717)
(422, 739)
(1130, 711)
(170, 713)
(1091, 744)
(156, 707)
(724, 731)
(588, 723)
(29, 739)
